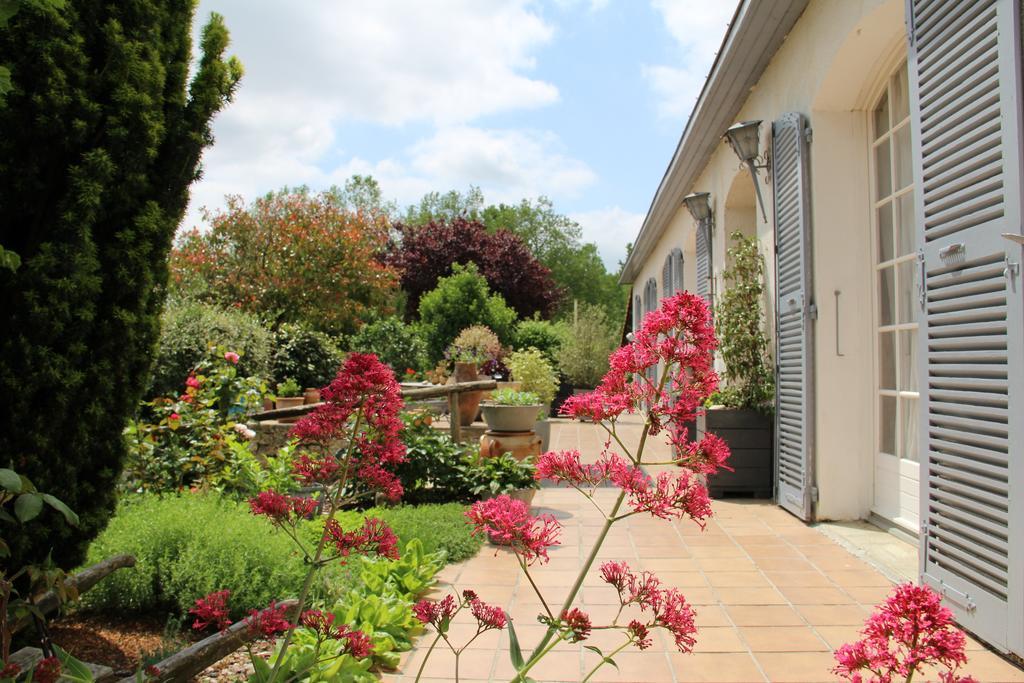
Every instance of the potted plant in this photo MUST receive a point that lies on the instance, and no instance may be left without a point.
(474, 345)
(503, 475)
(741, 411)
(511, 411)
(532, 371)
(289, 394)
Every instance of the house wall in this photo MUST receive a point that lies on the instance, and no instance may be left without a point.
(829, 68)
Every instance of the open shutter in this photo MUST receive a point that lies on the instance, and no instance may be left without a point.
(794, 397)
(666, 277)
(966, 98)
(638, 313)
(704, 261)
(677, 270)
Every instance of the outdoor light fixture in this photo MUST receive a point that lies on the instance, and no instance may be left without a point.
(699, 206)
(745, 141)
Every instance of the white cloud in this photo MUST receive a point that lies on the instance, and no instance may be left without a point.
(697, 27)
(611, 229)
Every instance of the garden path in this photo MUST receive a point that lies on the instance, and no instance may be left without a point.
(774, 597)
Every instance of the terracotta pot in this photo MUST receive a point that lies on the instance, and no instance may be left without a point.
(288, 402)
(311, 396)
(469, 401)
(521, 445)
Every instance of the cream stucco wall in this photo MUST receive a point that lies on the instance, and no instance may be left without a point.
(830, 69)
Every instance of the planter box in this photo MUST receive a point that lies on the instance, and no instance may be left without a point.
(749, 435)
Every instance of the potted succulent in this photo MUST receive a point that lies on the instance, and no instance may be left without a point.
(512, 411)
(532, 371)
(741, 412)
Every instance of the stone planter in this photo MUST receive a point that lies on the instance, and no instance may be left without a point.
(542, 428)
(749, 435)
(501, 418)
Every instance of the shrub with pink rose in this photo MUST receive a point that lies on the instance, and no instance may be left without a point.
(185, 441)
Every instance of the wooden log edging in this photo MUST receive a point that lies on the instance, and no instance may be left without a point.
(190, 662)
(78, 583)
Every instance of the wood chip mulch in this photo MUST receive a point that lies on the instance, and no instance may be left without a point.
(119, 644)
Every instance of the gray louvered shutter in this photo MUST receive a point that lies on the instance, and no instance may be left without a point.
(638, 313)
(704, 263)
(666, 277)
(966, 99)
(677, 270)
(794, 397)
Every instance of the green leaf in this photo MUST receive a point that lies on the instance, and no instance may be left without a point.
(594, 649)
(514, 650)
(63, 509)
(71, 668)
(261, 668)
(28, 506)
(10, 480)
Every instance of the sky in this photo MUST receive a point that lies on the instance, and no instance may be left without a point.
(582, 101)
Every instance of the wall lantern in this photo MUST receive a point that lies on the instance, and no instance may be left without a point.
(699, 206)
(745, 141)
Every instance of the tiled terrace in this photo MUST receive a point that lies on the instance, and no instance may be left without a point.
(773, 596)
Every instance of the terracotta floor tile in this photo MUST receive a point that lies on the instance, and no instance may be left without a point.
(751, 579)
(719, 639)
(860, 579)
(715, 667)
(833, 615)
(709, 540)
(700, 596)
(837, 636)
(683, 579)
(869, 595)
(702, 551)
(764, 615)
(796, 667)
(807, 578)
(782, 639)
(988, 667)
(649, 667)
(800, 595)
(783, 564)
(441, 664)
(738, 595)
(843, 562)
(726, 564)
(711, 615)
(556, 667)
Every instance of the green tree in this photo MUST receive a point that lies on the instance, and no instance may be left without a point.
(442, 208)
(460, 300)
(556, 241)
(103, 131)
(362, 193)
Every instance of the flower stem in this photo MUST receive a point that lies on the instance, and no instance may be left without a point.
(535, 589)
(605, 659)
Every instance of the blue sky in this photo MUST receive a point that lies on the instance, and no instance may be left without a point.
(579, 100)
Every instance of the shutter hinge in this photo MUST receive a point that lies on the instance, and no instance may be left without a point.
(808, 134)
(812, 311)
(814, 494)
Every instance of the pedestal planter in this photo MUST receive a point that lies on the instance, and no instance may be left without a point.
(749, 436)
(503, 418)
(521, 445)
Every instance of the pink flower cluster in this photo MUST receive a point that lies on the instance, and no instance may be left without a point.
(907, 632)
(439, 614)
(373, 537)
(508, 522)
(668, 607)
(667, 496)
(47, 670)
(282, 509)
(577, 623)
(270, 621)
(212, 610)
(357, 643)
(366, 388)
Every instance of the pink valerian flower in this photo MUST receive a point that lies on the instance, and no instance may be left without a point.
(437, 614)
(47, 670)
(508, 522)
(10, 670)
(565, 466)
(577, 623)
(374, 537)
(673, 496)
(361, 405)
(357, 643)
(212, 610)
(270, 621)
(231, 357)
(639, 634)
(488, 617)
(668, 606)
(910, 630)
(706, 456)
(282, 509)
(316, 470)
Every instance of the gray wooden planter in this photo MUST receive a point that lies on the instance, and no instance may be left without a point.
(749, 436)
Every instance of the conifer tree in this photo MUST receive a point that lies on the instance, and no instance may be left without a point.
(101, 134)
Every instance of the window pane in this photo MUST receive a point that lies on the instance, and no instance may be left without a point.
(908, 360)
(900, 96)
(887, 424)
(908, 429)
(906, 235)
(903, 157)
(885, 232)
(908, 291)
(886, 360)
(883, 179)
(886, 296)
(882, 116)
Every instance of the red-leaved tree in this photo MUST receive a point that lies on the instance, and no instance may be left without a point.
(424, 253)
(290, 256)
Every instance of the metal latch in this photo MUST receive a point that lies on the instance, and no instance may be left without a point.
(812, 311)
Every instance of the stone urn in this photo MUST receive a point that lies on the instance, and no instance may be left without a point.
(469, 401)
